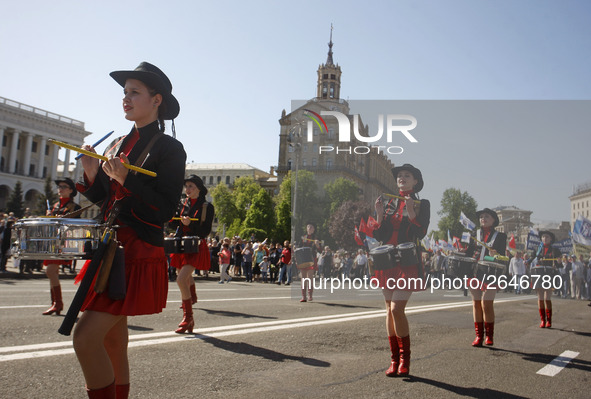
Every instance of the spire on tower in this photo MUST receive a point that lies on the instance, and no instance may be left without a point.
(329, 60)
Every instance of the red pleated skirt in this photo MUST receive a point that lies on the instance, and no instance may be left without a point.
(200, 260)
(401, 278)
(146, 277)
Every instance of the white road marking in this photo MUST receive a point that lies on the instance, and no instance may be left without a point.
(556, 365)
(137, 340)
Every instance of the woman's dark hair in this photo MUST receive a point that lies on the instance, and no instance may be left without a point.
(161, 109)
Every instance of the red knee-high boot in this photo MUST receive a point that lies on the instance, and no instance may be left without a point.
(548, 318)
(122, 391)
(107, 392)
(56, 298)
(193, 294)
(490, 331)
(393, 369)
(303, 295)
(542, 317)
(479, 328)
(310, 291)
(404, 346)
(188, 323)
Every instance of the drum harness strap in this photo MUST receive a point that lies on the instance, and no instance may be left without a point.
(490, 242)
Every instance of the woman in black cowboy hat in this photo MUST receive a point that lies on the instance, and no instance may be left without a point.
(548, 259)
(66, 190)
(309, 240)
(483, 310)
(401, 221)
(144, 203)
(194, 206)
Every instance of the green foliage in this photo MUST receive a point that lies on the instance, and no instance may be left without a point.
(223, 202)
(307, 208)
(339, 191)
(15, 201)
(245, 188)
(453, 202)
(260, 214)
(259, 234)
(234, 229)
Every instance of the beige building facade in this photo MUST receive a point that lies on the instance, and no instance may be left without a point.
(27, 156)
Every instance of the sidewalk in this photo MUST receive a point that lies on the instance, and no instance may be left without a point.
(12, 272)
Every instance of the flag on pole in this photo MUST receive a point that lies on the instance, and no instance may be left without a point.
(425, 242)
(364, 229)
(358, 237)
(467, 223)
(512, 242)
(582, 231)
(372, 224)
(448, 237)
(466, 237)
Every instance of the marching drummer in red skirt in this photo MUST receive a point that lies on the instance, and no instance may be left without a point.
(193, 207)
(144, 204)
(401, 221)
(548, 257)
(309, 241)
(483, 298)
(66, 190)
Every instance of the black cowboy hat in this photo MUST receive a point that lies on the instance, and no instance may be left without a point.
(552, 236)
(490, 212)
(70, 183)
(152, 76)
(415, 172)
(199, 183)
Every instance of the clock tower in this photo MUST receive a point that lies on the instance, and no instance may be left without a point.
(329, 77)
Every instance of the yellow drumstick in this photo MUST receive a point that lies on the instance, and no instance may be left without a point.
(399, 197)
(191, 219)
(101, 157)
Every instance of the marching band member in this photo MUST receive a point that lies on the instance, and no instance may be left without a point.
(483, 300)
(194, 207)
(401, 221)
(66, 190)
(144, 204)
(309, 241)
(548, 256)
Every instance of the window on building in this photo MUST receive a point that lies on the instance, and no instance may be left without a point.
(305, 148)
(328, 163)
(18, 144)
(314, 162)
(32, 170)
(332, 76)
(34, 149)
(44, 171)
(316, 131)
(331, 132)
(304, 162)
(210, 179)
(324, 90)
(219, 179)
(332, 90)
(228, 180)
(46, 150)
(325, 76)
(289, 164)
(315, 148)
(4, 141)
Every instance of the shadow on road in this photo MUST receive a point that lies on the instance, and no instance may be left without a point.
(248, 349)
(343, 305)
(236, 314)
(470, 392)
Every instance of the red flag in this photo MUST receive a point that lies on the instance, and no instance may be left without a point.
(456, 243)
(358, 237)
(372, 223)
(512, 242)
(364, 228)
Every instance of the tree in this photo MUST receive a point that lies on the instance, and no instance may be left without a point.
(282, 229)
(223, 202)
(48, 196)
(343, 221)
(453, 202)
(245, 188)
(15, 201)
(339, 191)
(260, 214)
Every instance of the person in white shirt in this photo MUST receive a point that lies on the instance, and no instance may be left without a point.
(517, 270)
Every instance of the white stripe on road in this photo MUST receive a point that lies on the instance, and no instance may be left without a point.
(558, 364)
(40, 350)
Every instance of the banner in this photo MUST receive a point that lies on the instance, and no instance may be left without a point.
(565, 246)
(582, 231)
(533, 243)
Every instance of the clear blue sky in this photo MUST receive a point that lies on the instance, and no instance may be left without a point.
(235, 65)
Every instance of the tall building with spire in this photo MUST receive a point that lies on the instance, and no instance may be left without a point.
(370, 171)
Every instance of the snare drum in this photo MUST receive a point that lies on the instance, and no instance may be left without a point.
(384, 257)
(460, 266)
(407, 252)
(56, 238)
(304, 257)
(488, 268)
(181, 245)
(542, 271)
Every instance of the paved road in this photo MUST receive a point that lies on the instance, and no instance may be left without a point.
(256, 340)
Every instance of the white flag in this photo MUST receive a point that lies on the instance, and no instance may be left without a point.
(467, 223)
(466, 237)
(582, 231)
